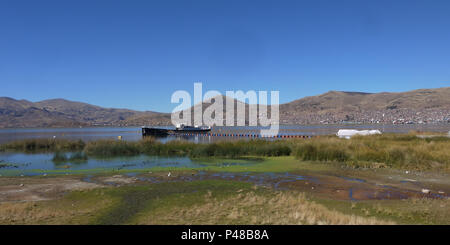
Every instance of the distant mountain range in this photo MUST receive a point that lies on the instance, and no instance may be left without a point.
(417, 106)
(64, 113)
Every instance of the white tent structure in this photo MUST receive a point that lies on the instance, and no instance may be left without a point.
(348, 133)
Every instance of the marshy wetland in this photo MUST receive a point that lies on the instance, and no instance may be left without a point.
(383, 179)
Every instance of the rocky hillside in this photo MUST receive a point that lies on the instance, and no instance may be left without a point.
(64, 113)
(423, 105)
(417, 106)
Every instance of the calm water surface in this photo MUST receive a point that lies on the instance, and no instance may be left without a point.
(134, 133)
(36, 164)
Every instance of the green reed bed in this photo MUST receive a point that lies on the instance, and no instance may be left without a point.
(243, 148)
(150, 146)
(43, 145)
(112, 148)
(396, 151)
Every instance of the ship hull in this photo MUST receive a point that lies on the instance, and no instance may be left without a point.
(154, 132)
(165, 132)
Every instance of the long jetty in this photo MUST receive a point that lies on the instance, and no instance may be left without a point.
(248, 135)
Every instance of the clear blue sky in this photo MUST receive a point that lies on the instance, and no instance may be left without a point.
(135, 54)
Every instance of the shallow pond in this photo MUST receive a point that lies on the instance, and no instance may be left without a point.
(32, 164)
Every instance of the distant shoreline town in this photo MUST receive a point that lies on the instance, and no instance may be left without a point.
(393, 116)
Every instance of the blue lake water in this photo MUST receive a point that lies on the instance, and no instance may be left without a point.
(32, 164)
(134, 133)
(20, 163)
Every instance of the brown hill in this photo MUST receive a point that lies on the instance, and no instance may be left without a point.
(64, 113)
(336, 106)
(417, 106)
(350, 101)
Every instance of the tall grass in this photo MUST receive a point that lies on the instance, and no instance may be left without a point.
(399, 151)
(242, 148)
(112, 148)
(44, 145)
(150, 146)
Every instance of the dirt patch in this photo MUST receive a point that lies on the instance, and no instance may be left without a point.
(15, 189)
(118, 179)
(33, 189)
